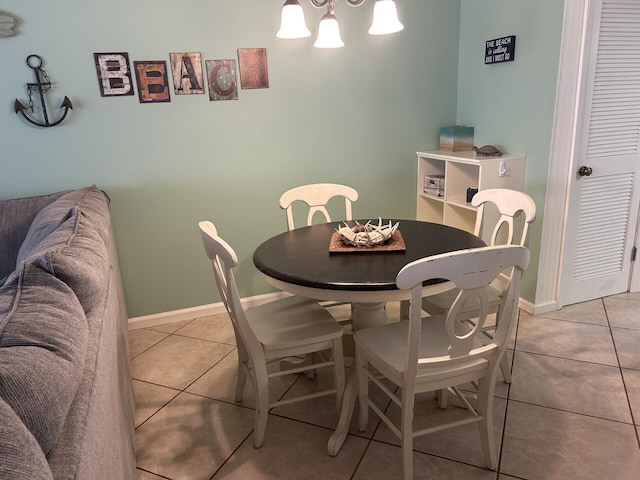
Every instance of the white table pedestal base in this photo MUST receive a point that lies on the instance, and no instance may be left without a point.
(365, 315)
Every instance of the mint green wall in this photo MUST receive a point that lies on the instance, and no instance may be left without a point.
(511, 105)
(356, 115)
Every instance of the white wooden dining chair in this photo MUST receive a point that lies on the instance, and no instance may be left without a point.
(267, 333)
(506, 215)
(435, 353)
(316, 196)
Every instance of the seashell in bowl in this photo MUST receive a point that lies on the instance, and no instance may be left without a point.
(367, 235)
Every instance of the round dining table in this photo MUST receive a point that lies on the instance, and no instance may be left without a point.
(300, 262)
(306, 262)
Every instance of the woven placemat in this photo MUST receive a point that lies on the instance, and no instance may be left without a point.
(394, 244)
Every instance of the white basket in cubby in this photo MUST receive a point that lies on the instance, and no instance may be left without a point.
(434, 185)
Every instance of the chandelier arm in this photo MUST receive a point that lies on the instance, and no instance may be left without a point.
(323, 3)
(319, 3)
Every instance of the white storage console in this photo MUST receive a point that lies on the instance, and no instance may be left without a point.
(461, 170)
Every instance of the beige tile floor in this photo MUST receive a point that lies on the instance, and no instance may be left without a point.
(572, 411)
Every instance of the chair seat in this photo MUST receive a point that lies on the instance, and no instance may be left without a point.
(389, 344)
(291, 322)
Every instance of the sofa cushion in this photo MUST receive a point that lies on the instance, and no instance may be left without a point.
(22, 458)
(58, 234)
(16, 216)
(70, 244)
(42, 350)
(93, 202)
(7, 294)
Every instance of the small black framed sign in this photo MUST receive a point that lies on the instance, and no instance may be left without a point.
(500, 50)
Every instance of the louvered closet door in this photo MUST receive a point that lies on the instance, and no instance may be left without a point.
(603, 207)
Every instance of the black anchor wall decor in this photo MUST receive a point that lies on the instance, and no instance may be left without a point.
(41, 86)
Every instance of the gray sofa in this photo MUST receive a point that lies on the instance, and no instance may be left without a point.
(66, 401)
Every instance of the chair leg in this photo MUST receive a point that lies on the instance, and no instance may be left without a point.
(407, 434)
(505, 368)
(442, 396)
(404, 310)
(311, 374)
(241, 382)
(262, 405)
(362, 387)
(243, 368)
(407, 462)
(338, 371)
(485, 426)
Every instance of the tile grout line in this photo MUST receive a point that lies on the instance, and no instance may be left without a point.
(226, 460)
(624, 384)
(508, 399)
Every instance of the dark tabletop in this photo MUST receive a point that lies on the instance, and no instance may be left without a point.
(302, 256)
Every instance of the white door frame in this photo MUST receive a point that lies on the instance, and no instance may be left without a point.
(561, 158)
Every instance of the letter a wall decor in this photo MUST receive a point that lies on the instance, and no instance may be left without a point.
(187, 73)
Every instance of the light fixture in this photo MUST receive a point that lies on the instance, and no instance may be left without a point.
(329, 31)
(385, 20)
(292, 24)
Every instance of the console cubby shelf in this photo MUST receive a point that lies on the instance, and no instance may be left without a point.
(462, 170)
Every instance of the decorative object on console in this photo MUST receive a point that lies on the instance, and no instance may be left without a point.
(385, 21)
(456, 138)
(7, 22)
(41, 86)
(487, 151)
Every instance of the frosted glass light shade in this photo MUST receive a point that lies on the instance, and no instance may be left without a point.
(385, 18)
(292, 24)
(328, 33)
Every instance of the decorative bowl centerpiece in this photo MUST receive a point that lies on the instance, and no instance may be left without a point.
(367, 235)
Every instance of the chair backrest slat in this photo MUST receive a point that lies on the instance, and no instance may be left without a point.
(510, 204)
(316, 196)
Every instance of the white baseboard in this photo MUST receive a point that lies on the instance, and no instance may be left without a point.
(248, 302)
(196, 312)
(541, 308)
(526, 305)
